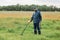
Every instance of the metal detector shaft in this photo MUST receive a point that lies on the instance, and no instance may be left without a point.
(24, 29)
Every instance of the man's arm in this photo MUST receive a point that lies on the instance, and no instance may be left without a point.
(40, 17)
(31, 19)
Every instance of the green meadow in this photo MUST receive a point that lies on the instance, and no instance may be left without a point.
(11, 28)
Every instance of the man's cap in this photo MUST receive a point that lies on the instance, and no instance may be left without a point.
(35, 9)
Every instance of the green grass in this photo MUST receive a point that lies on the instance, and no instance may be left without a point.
(11, 28)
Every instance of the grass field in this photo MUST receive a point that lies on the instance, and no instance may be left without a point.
(13, 22)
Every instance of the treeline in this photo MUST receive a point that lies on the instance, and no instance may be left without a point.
(28, 8)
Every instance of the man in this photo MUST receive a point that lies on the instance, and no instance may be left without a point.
(36, 18)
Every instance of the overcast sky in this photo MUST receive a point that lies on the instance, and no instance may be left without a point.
(29, 2)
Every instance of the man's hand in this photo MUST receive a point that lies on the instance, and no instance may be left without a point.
(29, 21)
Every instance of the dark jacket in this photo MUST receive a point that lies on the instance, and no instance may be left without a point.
(36, 17)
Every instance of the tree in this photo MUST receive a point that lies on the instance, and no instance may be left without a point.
(18, 7)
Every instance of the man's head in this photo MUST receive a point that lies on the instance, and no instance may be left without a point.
(35, 9)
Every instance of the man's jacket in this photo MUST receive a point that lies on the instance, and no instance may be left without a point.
(36, 17)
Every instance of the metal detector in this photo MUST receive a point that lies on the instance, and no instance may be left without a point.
(24, 29)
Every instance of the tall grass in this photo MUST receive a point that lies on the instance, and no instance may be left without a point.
(12, 28)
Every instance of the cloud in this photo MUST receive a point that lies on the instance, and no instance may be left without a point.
(23, 2)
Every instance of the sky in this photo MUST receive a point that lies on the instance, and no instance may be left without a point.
(29, 2)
